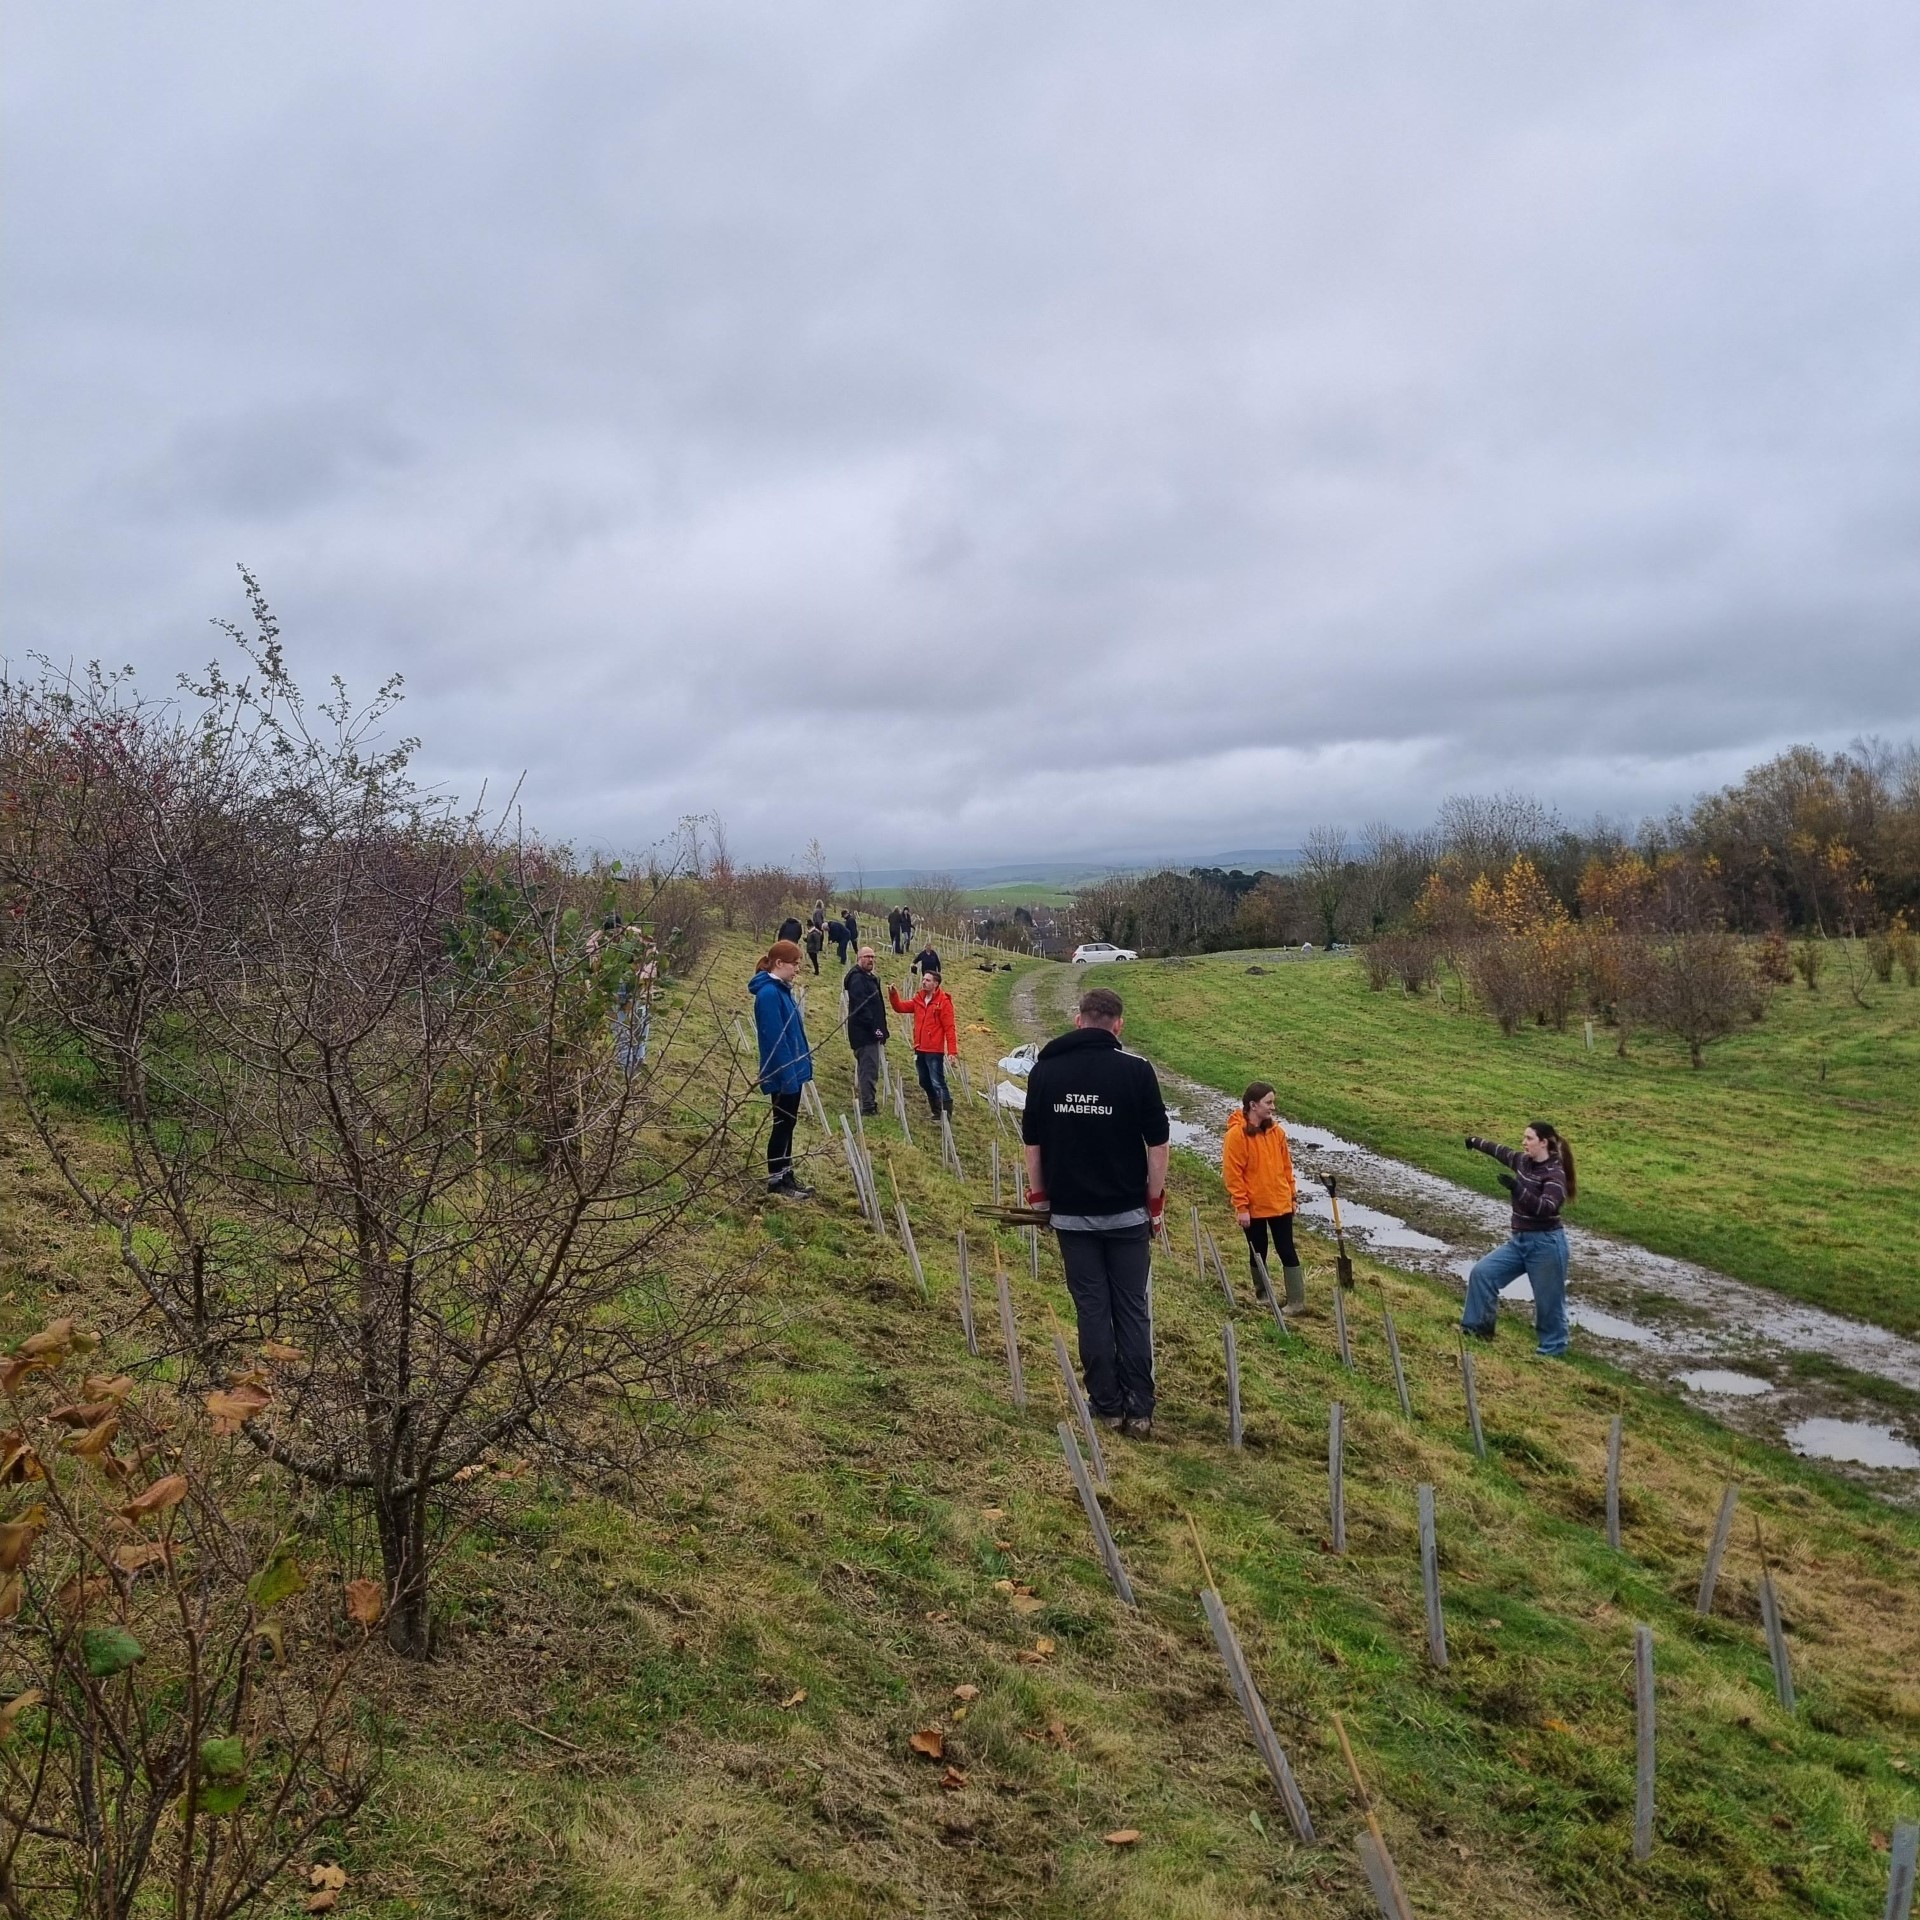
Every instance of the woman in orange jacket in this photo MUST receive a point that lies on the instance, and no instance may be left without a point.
(936, 1037)
(1258, 1170)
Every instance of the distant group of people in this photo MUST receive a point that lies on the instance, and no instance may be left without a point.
(1097, 1137)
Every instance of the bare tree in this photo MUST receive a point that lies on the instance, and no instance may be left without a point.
(1697, 987)
(1328, 875)
(934, 898)
(379, 1096)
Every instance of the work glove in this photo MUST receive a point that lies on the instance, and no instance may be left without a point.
(1156, 1206)
(1509, 1182)
(1038, 1200)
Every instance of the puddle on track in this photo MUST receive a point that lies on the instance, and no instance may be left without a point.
(1863, 1443)
(1723, 1380)
(1426, 1224)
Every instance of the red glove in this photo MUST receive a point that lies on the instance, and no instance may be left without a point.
(1035, 1198)
(1156, 1206)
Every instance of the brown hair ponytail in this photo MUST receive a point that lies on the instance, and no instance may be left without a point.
(1547, 1131)
(786, 950)
(1254, 1094)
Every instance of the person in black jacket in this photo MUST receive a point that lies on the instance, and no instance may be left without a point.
(789, 930)
(926, 960)
(893, 929)
(1095, 1129)
(837, 933)
(866, 1027)
(1540, 1179)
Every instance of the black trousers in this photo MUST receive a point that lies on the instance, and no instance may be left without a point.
(1256, 1230)
(786, 1116)
(1110, 1276)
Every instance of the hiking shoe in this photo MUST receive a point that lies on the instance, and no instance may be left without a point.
(1113, 1422)
(1137, 1426)
(788, 1188)
(1476, 1333)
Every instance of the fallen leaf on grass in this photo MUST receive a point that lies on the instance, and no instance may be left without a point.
(1054, 1735)
(1041, 1649)
(158, 1498)
(1556, 1726)
(793, 1699)
(1492, 1626)
(1003, 1586)
(279, 1352)
(327, 1878)
(365, 1598)
(966, 1691)
(993, 1513)
(131, 1559)
(953, 1779)
(1027, 1603)
(929, 1741)
(1121, 1836)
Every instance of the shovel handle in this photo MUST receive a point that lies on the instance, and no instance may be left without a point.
(1333, 1194)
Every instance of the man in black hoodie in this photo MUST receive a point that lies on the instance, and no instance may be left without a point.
(1096, 1133)
(866, 1028)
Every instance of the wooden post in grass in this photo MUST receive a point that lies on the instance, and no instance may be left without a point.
(948, 1151)
(1266, 1288)
(853, 1167)
(1337, 1473)
(1199, 1250)
(1722, 1529)
(1219, 1267)
(1393, 1354)
(1902, 1866)
(1770, 1620)
(993, 1160)
(1010, 1335)
(1340, 1327)
(1033, 1250)
(1233, 1388)
(1267, 1742)
(1077, 1401)
(1430, 1579)
(913, 1252)
(1642, 1742)
(1102, 1534)
(1473, 1402)
(966, 1299)
(1613, 1484)
(1382, 1876)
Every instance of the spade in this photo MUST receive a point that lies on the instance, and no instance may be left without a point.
(1342, 1265)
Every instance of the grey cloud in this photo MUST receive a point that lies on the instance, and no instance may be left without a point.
(967, 432)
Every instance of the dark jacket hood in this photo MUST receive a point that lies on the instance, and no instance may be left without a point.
(1080, 1040)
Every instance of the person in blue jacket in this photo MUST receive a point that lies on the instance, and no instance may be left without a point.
(786, 1061)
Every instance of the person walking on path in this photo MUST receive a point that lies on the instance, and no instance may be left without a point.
(816, 939)
(786, 1061)
(936, 1038)
(1541, 1179)
(893, 929)
(866, 1028)
(906, 927)
(1257, 1166)
(1095, 1131)
(838, 935)
(927, 960)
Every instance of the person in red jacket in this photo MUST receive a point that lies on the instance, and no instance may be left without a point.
(936, 1037)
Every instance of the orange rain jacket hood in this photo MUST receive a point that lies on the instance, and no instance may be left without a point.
(1258, 1169)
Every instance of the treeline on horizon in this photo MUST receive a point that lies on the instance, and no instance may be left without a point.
(1806, 843)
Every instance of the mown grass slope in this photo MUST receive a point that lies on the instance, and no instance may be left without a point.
(1790, 1159)
(701, 1703)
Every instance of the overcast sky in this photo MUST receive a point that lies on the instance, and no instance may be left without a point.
(986, 432)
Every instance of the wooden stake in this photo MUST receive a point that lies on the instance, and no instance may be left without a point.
(1077, 1401)
(948, 1151)
(900, 1110)
(1337, 1473)
(1264, 1737)
(1199, 1251)
(1219, 1267)
(1902, 1866)
(1473, 1402)
(1770, 1620)
(1009, 1335)
(1205, 1566)
(1340, 1327)
(993, 1158)
(1722, 1528)
(1393, 1354)
(913, 1252)
(1643, 1742)
(1033, 1250)
(1430, 1579)
(1102, 1534)
(966, 1298)
(1613, 1484)
(1381, 1873)
(1233, 1388)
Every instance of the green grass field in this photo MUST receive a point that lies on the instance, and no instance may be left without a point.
(1026, 894)
(1792, 1159)
(700, 1703)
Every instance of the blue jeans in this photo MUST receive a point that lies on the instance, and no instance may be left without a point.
(932, 1069)
(1542, 1257)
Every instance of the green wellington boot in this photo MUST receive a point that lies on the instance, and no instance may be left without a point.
(1296, 1278)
